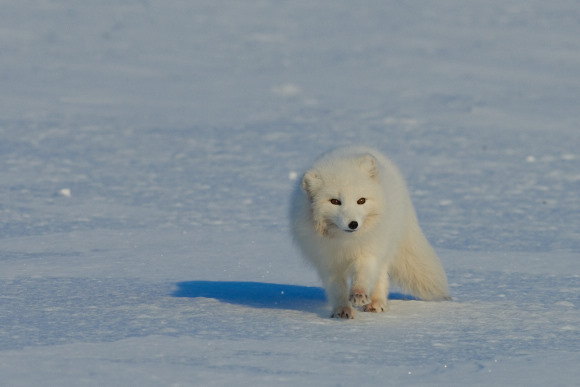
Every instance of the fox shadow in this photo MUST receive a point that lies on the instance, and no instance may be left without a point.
(263, 295)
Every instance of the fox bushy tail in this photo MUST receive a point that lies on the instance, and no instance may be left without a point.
(417, 268)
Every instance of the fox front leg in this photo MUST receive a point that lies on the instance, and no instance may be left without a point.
(337, 292)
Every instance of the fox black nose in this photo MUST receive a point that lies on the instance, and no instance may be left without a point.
(353, 225)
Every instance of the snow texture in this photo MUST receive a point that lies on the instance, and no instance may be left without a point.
(149, 148)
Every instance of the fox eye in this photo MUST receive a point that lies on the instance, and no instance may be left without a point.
(336, 202)
(361, 201)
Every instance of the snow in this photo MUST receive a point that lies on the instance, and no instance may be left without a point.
(148, 152)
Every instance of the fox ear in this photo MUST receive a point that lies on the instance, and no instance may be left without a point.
(368, 163)
(311, 182)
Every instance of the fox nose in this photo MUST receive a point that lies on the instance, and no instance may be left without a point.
(353, 225)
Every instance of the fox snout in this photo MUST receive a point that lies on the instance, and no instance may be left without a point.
(349, 225)
(348, 220)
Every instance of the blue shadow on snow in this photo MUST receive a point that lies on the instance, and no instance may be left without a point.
(262, 295)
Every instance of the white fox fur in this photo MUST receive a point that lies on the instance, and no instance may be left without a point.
(353, 219)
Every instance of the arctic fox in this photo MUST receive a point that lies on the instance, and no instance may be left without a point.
(353, 219)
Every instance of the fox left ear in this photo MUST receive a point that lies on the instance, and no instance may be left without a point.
(368, 163)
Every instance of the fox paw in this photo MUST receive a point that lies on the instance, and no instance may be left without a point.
(376, 307)
(359, 297)
(345, 312)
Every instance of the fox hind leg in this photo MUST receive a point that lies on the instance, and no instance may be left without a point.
(379, 295)
(358, 297)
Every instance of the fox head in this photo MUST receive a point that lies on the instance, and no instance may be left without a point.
(344, 194)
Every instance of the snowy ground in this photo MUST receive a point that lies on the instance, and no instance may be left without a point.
(147, 150)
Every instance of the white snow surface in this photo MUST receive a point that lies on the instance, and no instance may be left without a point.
(148, 150)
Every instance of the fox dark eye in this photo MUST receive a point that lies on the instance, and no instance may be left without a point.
(361, 201)
(336, 202)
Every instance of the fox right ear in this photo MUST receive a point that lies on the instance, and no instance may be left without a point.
(311, 182)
